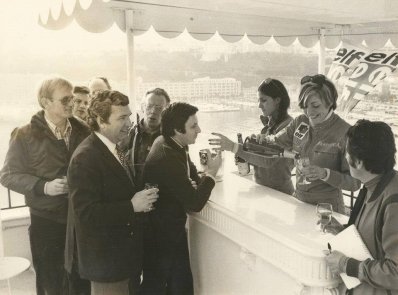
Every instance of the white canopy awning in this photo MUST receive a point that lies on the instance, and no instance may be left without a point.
(285, 20)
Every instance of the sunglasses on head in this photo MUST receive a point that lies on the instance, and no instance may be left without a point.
(316, 79)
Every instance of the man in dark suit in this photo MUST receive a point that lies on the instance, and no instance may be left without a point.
(166, 258)
(36, 165)
(103, 240)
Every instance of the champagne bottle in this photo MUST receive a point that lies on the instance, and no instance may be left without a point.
(240, 141)
(243, 166)
(268, 150)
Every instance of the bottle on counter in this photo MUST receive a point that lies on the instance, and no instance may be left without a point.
(243, 166)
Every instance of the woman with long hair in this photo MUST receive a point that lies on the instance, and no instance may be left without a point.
(274, 101)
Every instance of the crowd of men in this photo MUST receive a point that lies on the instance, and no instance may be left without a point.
(80, 165)
(108, 199)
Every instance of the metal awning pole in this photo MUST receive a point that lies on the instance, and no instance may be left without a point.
(322, 52)
(129, 15)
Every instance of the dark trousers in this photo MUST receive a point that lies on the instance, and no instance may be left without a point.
(166, 269)
(47, 244)
(77, 285)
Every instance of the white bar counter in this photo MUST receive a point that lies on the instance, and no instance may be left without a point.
(251, 239)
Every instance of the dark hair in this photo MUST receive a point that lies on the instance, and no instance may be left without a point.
(275, 88)
(320, 85)
(101, 105)
(159, 91)
(372, 143)
(175, 116)
(81, 89)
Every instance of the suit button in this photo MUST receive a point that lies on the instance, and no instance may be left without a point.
(131, 234)
(128, 224)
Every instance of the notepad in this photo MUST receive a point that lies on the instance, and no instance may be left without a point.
(350, 243)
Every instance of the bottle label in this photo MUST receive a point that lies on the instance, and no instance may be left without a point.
(243, 168)
(203, 156)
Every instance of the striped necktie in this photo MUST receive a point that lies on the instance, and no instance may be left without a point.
(124, 161)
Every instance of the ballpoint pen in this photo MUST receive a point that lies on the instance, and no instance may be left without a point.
(330, 248)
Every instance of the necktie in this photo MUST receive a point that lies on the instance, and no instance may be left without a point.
(123, 160)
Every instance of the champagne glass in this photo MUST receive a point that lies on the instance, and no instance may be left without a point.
(301, 163)
(150, 185)
(147, 186)
(324, 212)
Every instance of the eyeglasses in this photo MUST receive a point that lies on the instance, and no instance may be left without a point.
(154, 107)
(318, 79)
(66, 100)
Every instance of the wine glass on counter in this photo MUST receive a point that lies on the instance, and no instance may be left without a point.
(324, 212)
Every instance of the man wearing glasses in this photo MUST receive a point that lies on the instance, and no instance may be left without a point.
(144, 133)
(36, 166)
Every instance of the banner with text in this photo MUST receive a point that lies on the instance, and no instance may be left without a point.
(370, 71)
(347, 57)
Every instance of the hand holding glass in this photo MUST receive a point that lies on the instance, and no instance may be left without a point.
(324, 212)
(150, 185)
(302, 163)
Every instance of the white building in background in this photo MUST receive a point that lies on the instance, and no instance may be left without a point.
(250, 94)
(203, 88)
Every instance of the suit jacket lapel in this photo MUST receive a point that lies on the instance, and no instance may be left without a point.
(113, 163)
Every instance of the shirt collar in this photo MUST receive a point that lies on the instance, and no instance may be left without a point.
(55, 129)
(179, 144)
(142, 127)
(371, 184)
(109, 144)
